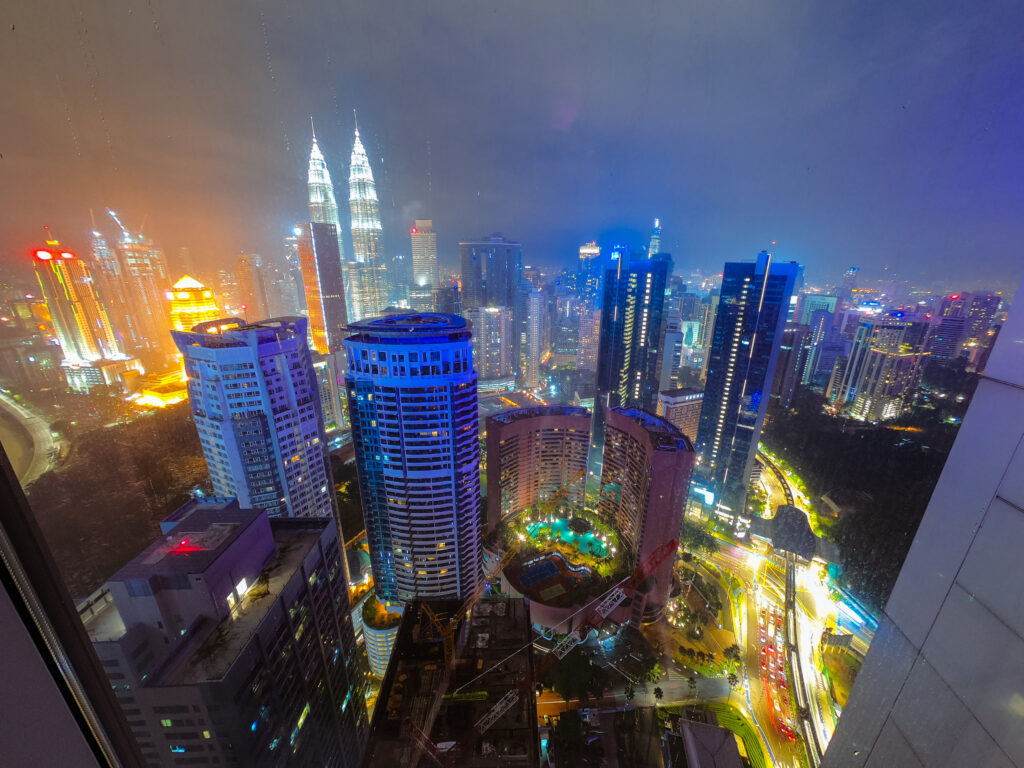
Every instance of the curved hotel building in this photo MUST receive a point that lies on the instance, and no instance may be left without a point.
(531, 454)
(411, 389)
(646, 474)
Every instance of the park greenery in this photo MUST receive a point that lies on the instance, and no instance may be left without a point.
(898, 467)
(102, 505)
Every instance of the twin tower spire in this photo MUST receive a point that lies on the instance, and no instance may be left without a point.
(366, 292)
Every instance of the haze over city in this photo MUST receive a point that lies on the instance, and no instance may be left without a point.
(850, 135)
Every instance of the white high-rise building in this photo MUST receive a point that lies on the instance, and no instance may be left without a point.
(367, 275)
(323, 208)
(495, 350)
(424, 265)
(254, 398)
(412, 401)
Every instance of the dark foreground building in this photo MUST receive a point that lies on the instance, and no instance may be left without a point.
(228, 642)
(422, 707)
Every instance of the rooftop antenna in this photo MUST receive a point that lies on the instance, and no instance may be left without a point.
(313, 127)
(356, 118)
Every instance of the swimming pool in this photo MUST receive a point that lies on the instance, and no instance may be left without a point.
(588, 543)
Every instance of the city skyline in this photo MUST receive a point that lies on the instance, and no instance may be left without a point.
(720, 190)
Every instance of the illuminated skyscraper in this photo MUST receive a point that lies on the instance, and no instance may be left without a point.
(412, 401)
(322, 281)
(323, 209)
(494, 346)
(424, 265)
(588, 278)
(251, 291)
(191, 303)
(254, 398)
(145, 279)
(644, 481)
(79, 320)
(491, 272)
(741, 368)
(369, 289)
(655, 246)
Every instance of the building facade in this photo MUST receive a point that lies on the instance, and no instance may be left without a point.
(744, 353)
(425, 278)
(532, 454)
(323, 208)
(191, 303)
(369, 291)
(80, 321)
(644, 482)
(322, 279)
(254, 398)
(494, 345)
(491, 272)
(229, 641)
(681, 407)
(412, 401)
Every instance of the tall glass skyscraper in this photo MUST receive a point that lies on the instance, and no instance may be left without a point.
(424, 265)
(322, 282)
(369, 289)
(741, 368)
(412, 400)
(323, 209)
(254, 398)
(79, 319)
(491, 271)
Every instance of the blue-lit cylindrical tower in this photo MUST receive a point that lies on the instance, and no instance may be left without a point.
(411, 388)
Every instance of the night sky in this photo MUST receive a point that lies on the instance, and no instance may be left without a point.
(856, 132)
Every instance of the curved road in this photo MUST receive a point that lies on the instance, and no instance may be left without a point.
(28, 441)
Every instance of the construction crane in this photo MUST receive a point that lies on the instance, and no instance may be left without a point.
(444, 755)
(127, 235)
(612, 600)
(446, 628)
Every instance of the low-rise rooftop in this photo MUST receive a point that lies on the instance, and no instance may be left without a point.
(517, 414)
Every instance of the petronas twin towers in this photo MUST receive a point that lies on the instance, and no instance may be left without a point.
(366, 293)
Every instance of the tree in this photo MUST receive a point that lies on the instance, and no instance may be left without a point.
(659, 694)
(733, 652)
(629, 691)
(695, 536)
(576, 677)
(733, 680)
(692, 682)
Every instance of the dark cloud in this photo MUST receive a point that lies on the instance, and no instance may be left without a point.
(851, 132)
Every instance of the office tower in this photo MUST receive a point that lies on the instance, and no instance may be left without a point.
(412, 401)
(792, 360)
(191, 303)
(229, 640)
(814, 302)
(741, 367)
(293, 267)
(588, 279)
(940, 685)
(631, 322)
(448, 299)
(329, 388)
(426, 717)
(947, 336)
(644, 482)
(323, 208)
(280, 295)
(589, 336)
(79, 319)
(564, 324)
(322, 278)
(980, 315)
(494, 346)
(251, 291)
(491, 272)
(848, 287)
(424, 265)
(254, 398)
(881, 369)
(532, 454)
(530, 322)
(369, 292)
(681, 407)
(655, 244)
(144, 279)
(109, 284)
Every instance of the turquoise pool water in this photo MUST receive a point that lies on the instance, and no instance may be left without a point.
(589, 543)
